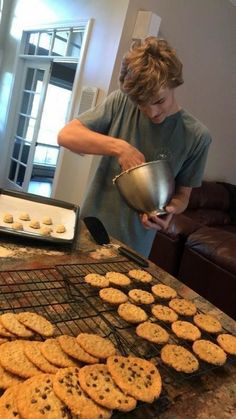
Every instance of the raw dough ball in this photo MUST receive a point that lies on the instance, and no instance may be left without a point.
(45, 231)
(34, 224)
(17, 226)
(8, 218)
(47, 220)
(60, 228)
(24, 216)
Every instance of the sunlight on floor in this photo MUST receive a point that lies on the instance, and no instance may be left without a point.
(40, 188)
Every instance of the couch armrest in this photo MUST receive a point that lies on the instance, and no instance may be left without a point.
(182, 226)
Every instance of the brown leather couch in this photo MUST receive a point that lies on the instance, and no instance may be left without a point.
(199, 247)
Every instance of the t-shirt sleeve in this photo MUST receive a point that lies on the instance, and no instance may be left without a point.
(100, 117)
(192, 171)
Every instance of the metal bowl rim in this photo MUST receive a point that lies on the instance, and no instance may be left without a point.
(136, 167)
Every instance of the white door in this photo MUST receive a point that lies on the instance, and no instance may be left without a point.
(27, 123)
(43, 108)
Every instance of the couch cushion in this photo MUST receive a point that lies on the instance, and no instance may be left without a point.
(210, 195)
(216, 244)
(206, 216)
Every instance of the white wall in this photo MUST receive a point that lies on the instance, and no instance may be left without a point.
(204, 34)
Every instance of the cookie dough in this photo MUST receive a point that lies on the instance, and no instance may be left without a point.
(60, 228)
(24, 216)
(34, 224)
(8, 218)
(17, 226)
(46, 231)
(47, 220)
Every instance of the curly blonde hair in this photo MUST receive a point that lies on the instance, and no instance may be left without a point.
(149, 65)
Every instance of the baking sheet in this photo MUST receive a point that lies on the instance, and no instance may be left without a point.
(37, 208)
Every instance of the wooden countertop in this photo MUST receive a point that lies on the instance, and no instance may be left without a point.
(211, 395)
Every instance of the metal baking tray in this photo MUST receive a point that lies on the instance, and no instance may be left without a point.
(37, 207)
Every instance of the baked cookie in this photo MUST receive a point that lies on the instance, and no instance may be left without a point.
(24, 216)
(32, 350)
(98, 383)
(36, 399)
(8, 218)
(13, 359)
(152, 332)
(207, 322)
(97, 280)
(71, 347)
(96, 345)
(183, 306)
(179, 358)
(34, 224)
(163, 291)
(131, 313)
(227, 342)
(113, 296)
(47, 220)
(7, 379)
(8, 406)
(164, 313)
(135, 376)
(60, 228)
(12, 324)
(67, 388)
(5, 333)
(36, 323)
(3, 340)
(17, 226)
(209, 352)
(185, 330)
(117, 278)
(52, 351)
(140, 296)
(140, 275)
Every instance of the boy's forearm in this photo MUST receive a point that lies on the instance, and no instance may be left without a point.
(79, 139)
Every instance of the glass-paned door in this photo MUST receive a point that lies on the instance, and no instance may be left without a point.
(28, 123)
(54, 116)
(43, 111)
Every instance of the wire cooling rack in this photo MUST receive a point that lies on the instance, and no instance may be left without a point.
(73, 306)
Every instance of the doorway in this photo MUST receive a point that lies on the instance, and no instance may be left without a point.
(54, 116)
(47, 70)
(44, 107)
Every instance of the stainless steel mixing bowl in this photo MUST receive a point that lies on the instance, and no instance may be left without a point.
(147, 188)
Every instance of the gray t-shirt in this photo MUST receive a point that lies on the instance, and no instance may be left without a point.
(181, 137)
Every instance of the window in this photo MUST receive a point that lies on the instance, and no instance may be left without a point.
(57, 42)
